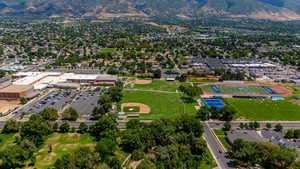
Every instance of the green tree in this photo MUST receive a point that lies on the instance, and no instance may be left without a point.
(134, 124)
(156, 73)
(146, 164)
(137, 155)
(114, 162)
(83, 128)
(50, 114)
(35, 129)
(106, 147)
(64, 128)
(115, 94)
(278, 127)
(269, 126)
(289, 134)
(227, 126)
(119, 84)
(106, 126)
(203, 113)
(82, 158)
(70, 114)
(11, 126)
(189, 124)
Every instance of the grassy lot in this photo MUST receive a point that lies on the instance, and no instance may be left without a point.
(256, 109)
(61, 144)
(222, 137)
(6, 139)
(108, 50)
(160, 85)
(209, 162)
(131, 109)
(163, 105)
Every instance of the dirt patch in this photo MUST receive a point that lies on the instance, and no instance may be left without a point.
(143, 82)
(144, 109)
(135, 164)
(7, 105)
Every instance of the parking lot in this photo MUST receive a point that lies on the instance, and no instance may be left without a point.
(85, 102)
(56, 99)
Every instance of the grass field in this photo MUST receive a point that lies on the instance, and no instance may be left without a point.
(236, 89)
(131, 109)
(6, 139)
(108, 50)
(255, 109)
(163, 105)
(222, 137)
(160, 85)
(61, 144)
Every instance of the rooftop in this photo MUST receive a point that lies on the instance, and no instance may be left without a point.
(15, 88)
(247, 135)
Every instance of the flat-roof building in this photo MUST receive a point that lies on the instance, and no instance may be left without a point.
(16, 91)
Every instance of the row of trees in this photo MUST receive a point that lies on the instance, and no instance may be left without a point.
(266, 154)
(106, 100)
(171, 143)
(226, 113)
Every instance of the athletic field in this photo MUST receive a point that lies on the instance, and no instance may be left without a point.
(265, 109)
(243, 90)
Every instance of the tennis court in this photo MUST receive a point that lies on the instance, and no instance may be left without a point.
(214, 103)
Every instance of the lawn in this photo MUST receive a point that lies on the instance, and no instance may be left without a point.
(163, 105)
(60, 144)
(170, 86)
(265, 110)
(222, 137)
(6, 139)
(131, 109)
(108, 50)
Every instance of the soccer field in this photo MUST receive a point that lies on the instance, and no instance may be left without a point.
(163, 105)
(238, 89)
(265, 110)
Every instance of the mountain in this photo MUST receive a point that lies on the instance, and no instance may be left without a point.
(259, 9)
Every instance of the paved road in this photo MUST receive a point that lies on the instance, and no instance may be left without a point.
(235, 124)
(220, 155)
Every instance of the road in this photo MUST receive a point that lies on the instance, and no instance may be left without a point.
(219, 154)
(235, 124)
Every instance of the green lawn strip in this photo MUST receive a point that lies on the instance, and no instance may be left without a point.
(265, 110)
(60, 144)
(163, 105)
(6, 139)
(108, 50)
(207, 88)
(160, 85)
(208, 162)
(222, 137)
(131, 109)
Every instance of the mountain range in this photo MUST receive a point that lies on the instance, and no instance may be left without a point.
(258, 9)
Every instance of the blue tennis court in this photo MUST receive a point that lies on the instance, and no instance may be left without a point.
(214, 103)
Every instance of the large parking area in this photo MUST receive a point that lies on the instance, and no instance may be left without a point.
(56, 99)
(83, 102)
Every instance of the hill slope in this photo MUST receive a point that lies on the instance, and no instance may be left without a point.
(261, 9)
